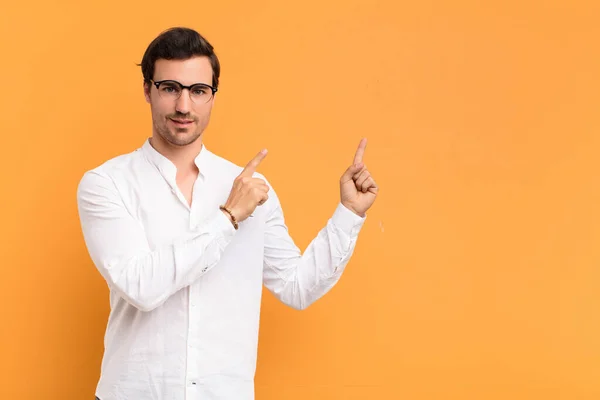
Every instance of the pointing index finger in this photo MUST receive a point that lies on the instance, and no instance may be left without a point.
(360, 151)
(253, 164)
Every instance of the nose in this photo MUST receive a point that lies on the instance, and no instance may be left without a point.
(184, 103)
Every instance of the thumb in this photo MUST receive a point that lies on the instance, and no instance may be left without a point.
(353, 169)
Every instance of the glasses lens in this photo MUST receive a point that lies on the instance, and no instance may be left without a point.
(169, 90)
(200, 94)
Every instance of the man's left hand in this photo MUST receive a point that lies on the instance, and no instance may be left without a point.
(358, 189)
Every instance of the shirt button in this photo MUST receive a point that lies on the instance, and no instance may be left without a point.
(204, 269)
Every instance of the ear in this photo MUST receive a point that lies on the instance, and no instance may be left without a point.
(147, 89)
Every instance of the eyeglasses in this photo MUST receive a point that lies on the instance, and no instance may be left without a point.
(200, 93)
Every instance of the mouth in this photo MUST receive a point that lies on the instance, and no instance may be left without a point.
(181, 122)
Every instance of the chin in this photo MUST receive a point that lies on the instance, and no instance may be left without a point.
(182, 139)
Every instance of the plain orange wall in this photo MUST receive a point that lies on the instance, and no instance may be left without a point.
(477, 273)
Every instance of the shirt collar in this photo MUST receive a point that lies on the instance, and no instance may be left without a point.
(166, 167)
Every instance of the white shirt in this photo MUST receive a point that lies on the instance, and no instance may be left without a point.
(185, 286)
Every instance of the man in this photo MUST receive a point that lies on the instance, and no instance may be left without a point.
(185, 239)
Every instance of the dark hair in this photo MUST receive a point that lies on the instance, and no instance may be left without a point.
(179, 43)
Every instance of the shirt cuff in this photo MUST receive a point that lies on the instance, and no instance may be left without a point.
(222, 224)
(347, 221)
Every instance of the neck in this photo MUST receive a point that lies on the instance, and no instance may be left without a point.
(183, 157)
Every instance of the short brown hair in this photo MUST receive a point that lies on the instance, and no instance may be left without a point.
(179, 43)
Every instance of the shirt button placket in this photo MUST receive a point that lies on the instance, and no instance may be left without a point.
(193, 384)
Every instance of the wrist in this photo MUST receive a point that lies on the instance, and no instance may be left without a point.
(225, 210)
(349, 207)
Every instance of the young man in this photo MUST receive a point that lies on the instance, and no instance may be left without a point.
(185, 239)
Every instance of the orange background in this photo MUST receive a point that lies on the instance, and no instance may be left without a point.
(477, 273)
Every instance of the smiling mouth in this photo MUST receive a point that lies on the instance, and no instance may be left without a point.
(181, 121)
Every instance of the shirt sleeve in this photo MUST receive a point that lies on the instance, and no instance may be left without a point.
(297, 279)
(117, 245)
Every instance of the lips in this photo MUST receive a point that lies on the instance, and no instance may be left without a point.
(181, 122)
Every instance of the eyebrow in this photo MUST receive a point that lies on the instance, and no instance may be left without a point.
(174, 80)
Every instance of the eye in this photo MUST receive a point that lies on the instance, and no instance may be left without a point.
(199, 91)
(169, 88)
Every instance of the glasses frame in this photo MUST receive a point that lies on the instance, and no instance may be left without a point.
(189, 88)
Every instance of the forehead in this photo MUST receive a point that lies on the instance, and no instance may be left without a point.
(189, 71)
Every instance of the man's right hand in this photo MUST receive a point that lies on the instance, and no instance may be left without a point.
(247, 192)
